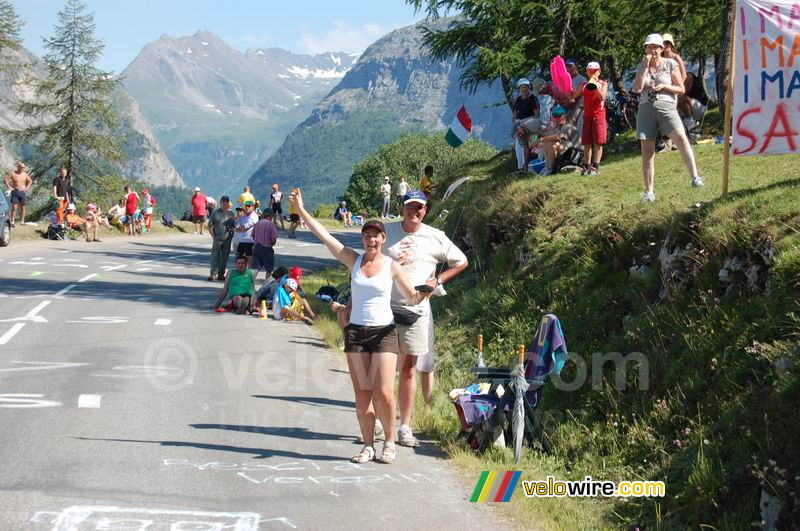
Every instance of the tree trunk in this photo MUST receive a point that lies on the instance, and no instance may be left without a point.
(701, 71)
(721, 62)
(507, 92)
(613, 75)
(562, 43)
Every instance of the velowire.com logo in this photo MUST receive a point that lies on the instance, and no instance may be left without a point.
(495, 486)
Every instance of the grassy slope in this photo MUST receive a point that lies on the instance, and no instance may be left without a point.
(716, 410)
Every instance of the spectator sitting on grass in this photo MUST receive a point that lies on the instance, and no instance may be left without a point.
(288, 305)
(95, 217)
(240, 286)
(342, 215)
(116, 213)
(559, 137)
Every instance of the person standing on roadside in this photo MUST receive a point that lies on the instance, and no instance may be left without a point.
(658, 81)
(275, 199)
(386, 194)
(220, 227)
(402, 190)
(419, 248)
(61, 194)
(199, 206)
(148, 203)
(593, 135)
(244, 227)
(371, 336)
(18, 183)
(131, 206)
(265, 235)
(247, 196)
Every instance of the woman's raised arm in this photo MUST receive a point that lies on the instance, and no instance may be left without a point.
(338, 250)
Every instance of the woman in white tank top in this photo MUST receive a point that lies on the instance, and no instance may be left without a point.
(370, 338)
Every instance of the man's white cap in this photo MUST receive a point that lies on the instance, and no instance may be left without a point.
(594, 65)
(386, 178)
(71, 206)
(654, 38)
(196, 188)
(292, 283)
(523, 81)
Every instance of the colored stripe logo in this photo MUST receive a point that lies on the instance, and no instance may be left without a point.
(495, 486)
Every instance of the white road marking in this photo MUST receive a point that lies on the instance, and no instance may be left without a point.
(26, 400)
(107, 262)
(145, 262)
(112, 268)
(101, 320)
(84, 266)
(65, 251)
(23, 262)
(87, 277)
(31, 315)
(38, 309)
(11, 333)
(304, 244)
(145, 269)
(89, 401)
(63, 291)
(42, 366)
(178, 267)
(163, 322)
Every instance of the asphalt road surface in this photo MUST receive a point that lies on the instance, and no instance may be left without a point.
(126, 403)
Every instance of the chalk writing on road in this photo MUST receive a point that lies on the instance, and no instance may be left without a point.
(86, 518)
(304, 472)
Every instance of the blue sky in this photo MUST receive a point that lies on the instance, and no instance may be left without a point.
(308, 26)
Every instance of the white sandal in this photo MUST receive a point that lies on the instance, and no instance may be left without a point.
(366, 455)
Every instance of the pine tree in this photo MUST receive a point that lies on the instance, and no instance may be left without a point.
(10, 26)
(75, 124)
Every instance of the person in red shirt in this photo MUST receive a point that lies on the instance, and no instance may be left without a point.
(593, 135)
(131, 206)
(199, 205)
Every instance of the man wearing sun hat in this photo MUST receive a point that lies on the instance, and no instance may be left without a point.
(419, 248)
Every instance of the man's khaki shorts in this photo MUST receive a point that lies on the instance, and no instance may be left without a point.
(417, 340)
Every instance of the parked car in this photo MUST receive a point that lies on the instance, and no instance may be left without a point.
(5, 222)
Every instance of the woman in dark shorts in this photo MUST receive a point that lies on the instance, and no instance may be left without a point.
(370, 339)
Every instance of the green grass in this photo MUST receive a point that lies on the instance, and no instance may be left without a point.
(716, 422)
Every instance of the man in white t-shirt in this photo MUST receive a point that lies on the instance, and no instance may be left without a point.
(419, 248)
(402, 190)
(386, 192)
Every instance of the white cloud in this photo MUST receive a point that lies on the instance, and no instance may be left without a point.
(256, 39)
(342, 37)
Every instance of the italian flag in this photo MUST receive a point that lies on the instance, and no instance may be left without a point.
(460, 128)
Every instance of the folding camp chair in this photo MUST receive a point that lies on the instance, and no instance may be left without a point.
(56, 230)
(484, 414)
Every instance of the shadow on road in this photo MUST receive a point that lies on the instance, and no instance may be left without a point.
(277, 431)
(257, 453)
(311, 400)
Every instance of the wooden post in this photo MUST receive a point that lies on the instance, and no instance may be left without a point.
(726, 144)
